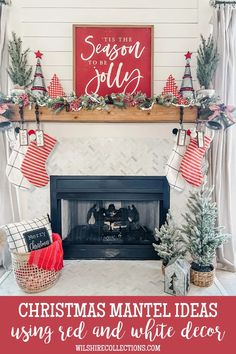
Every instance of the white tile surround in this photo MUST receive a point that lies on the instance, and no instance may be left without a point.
(105, 149)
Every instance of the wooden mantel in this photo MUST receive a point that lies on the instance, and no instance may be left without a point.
(158, 114)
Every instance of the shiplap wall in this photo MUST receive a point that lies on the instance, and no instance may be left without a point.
(47, 25)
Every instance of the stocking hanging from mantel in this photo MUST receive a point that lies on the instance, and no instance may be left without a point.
(34, 164)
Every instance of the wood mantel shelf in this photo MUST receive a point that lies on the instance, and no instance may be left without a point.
(158, 114)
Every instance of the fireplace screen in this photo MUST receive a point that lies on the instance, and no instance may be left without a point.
(108, 217)
(130, 222)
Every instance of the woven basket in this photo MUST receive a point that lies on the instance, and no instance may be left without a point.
(30, 278)
(203, 279)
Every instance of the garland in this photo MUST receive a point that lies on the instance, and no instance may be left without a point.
(72, 103)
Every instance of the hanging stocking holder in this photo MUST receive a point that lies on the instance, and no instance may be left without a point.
(200, 138)
(39, 132)
(182, 132)
(200, 132)
(23, 132)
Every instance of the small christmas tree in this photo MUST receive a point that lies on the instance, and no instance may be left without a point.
(186, 89)
(55, 89)
(18, 70)
(171, 87)
(207, 60)
(201, 234)
(38, 86)
(170, 241)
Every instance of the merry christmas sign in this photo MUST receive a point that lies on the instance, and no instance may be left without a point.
(113, 59)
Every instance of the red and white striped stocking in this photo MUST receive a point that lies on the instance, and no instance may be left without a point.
(190, 167)
(34, 164)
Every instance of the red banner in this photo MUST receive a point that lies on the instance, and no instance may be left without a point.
(112, 59)
(117, 324)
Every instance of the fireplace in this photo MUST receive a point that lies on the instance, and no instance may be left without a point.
(108, 217)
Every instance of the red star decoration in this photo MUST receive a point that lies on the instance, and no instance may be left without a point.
(188, 55)
(38, 54)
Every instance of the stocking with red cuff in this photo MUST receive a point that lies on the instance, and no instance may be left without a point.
(34, 164)
(190, 167)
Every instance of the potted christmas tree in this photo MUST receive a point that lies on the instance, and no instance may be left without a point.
(202, 236)
(207, 60)
(170, 241)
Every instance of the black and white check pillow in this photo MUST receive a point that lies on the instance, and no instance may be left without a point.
(15, 232)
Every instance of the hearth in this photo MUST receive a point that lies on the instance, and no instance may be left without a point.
(108, 217)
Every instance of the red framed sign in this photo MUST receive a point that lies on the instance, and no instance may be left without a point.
(112, 59)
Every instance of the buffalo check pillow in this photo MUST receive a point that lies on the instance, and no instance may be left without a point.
(16, 233)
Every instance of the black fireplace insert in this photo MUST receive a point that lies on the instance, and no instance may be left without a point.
(108, 217)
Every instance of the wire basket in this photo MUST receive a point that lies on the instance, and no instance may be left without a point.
(202, 279)
(30, 278)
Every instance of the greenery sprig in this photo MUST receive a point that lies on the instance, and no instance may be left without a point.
(18, 71)
(94, 101)
(207, 60)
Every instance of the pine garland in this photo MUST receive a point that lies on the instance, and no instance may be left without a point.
(207, 60)
(171, 243)
(18, 71)
(94, 101)
(201, 234)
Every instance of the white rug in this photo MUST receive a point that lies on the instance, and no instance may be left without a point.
(98, 277)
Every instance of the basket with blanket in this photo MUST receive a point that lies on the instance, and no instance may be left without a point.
(36, 252)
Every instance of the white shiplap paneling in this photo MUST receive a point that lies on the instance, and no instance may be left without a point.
(47, 25)
(128, 4)
(98, 15)
(63, 30)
